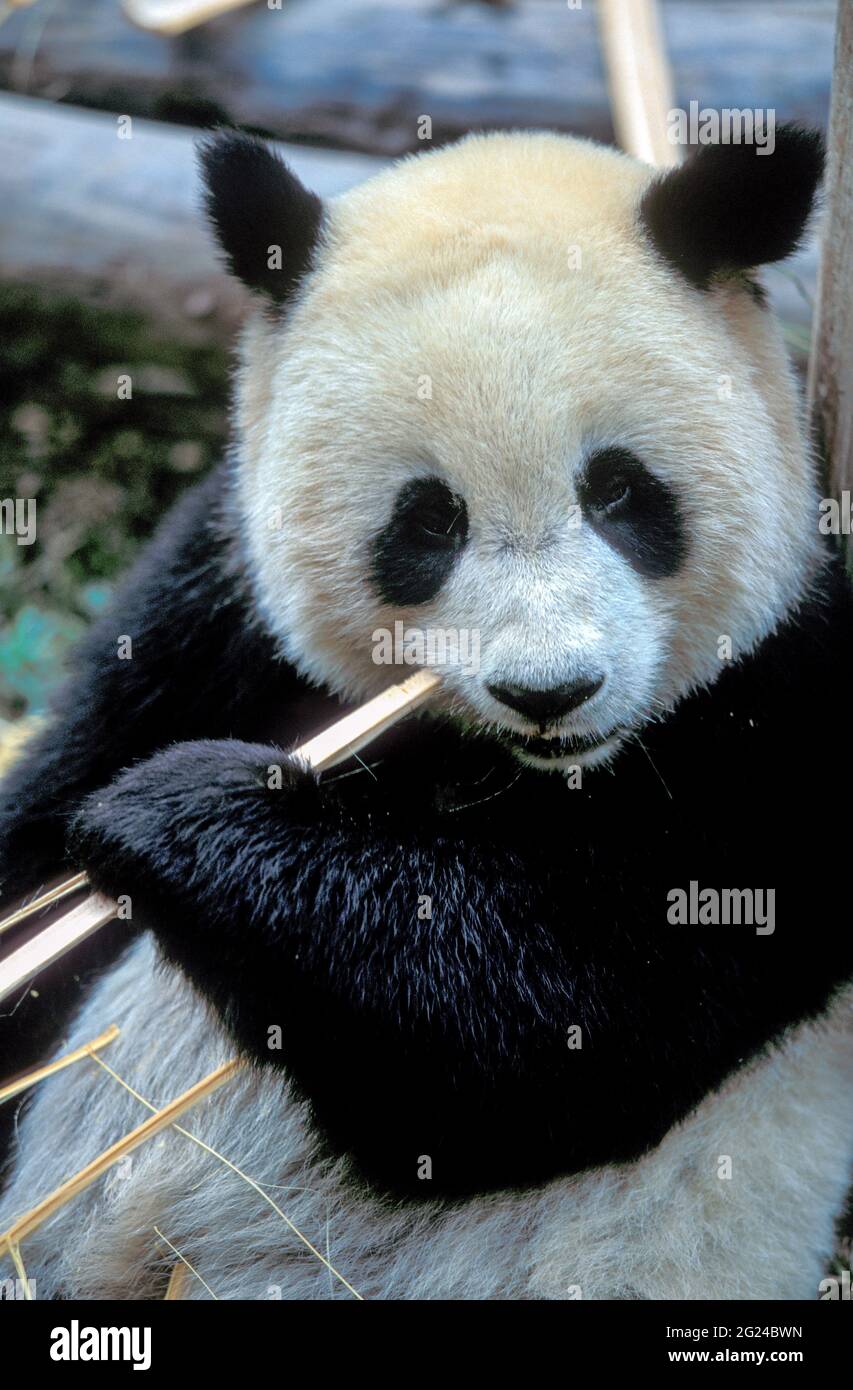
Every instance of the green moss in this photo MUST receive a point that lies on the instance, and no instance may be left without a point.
(102, 470)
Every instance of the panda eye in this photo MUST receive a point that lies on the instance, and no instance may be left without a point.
(617, 495)
(439, 516)
(416, 550)
(606, 487)
(635, 512)
(439, 528)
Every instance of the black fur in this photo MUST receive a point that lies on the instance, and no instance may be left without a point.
(636, 513)
(447, 1036)
(255, 202)
(415, 551)
(730, 208)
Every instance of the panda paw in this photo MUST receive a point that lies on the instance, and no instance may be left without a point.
(180, 824)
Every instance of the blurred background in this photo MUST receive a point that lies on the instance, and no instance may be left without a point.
(106, 269)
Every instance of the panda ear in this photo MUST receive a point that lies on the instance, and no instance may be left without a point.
(266, 221)
(730, 207)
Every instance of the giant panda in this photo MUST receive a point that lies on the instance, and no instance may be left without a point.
(497, 1046)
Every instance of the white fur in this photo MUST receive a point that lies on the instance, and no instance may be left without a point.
(454, 270)
(667, 1227)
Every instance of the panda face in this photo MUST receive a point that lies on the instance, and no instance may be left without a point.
(495, 410)
(556, 690)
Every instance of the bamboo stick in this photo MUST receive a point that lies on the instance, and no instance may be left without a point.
(339, 741)
(639, 79)
(172, 17)
(23, 1083)
(177, 1281)
(18, 1262)
(181, 1270)
(53, 941)
(46, 899)
(40, 1213)
(365, 724)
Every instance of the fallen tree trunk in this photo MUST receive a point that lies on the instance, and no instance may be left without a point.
(360, 74)
(119, 221)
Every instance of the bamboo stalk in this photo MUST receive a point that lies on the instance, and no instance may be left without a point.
(40, 1213)
(52, 895)
(53, 941)
(339, 741)
(639, 79)
(23, 1083)
(365, 724)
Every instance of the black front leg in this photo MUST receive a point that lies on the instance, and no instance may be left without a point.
(385, 973)
(451, 1006)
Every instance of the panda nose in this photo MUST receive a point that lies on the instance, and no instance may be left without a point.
(546, 706)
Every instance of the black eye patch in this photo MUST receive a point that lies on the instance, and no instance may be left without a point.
(636, 513)
(412, 556)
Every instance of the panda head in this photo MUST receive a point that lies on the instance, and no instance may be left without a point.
(522, 391)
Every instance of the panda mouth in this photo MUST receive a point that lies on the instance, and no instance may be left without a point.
(558, 745)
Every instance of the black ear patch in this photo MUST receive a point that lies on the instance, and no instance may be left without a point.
(729, 207)
(266, 221)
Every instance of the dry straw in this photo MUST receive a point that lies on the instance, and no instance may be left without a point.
(48, 1206)
(23, 1083)
(10, 1239)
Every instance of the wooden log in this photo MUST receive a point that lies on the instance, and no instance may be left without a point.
(119, 222)
(830, 385)
(359, 74)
